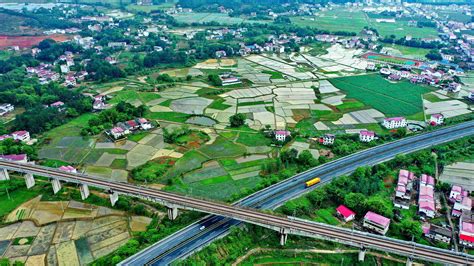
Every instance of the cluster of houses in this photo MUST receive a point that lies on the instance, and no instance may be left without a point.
(123, 129)
(44, 72)
(6, 108)
(408, 185)
(428, 76)
(372, 221)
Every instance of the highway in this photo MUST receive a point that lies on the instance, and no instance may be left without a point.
(191, 238)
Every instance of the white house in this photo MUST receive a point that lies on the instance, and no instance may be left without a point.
(394, 122)
(327, 139)
(436, 119)
(21, 135)
(281, 135)
(6, 108)
(366, 136)
(220, 54)
(376, 222)
(471, 95)
(144, 124)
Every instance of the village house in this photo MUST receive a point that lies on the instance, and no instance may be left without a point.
(457, 193)
(220, 54)
(436, 119)
(437, 233)
(19, 158)
(59, 105)
(281, 135)
(376, 222)
(6, 108)
(426, 200)
(69, 169)
(404, 189)
(394, 122)
(144, 123)
(116, 132)
(99, 102)
(229, 79)
(22, 135)
(460, 206)
(327, 139)
(471, 96)
(366, 135)
(6, 136)
(345, 213)
(466, 229)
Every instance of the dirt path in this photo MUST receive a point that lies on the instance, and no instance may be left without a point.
(320, 251)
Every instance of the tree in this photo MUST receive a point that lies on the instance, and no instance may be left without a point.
(356, 202)
(306, 158)
(434, 55)
(214, 79)
(237, 120)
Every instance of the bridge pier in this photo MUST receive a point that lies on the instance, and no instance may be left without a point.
(4, 175)
(362, 254)
(172, 213)
(84, 191)
(30, 181)
(283, 236)
(56, 185)
(113, 197)
(409, 262)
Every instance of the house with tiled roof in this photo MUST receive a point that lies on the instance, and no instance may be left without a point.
(281, 135)
(21, 135)
(437, 233)
(327, 139)
(366, 135)
(345, 213)
(426, 200)
(20, 158)
(466, 229)
(68, 168)
(394, 122)
(436, 119)
(460, 206)
(376, 223)
(404, 189)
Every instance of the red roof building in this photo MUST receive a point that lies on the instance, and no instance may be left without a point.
(345, 213)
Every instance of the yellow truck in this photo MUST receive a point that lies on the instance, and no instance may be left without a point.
(313, 182)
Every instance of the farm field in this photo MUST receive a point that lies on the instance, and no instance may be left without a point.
(354, 20)
(334, 20)
(210, 17)
(392, 99)
(28, 41)
(151, 8)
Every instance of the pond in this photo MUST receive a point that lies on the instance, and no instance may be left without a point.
(201, 121)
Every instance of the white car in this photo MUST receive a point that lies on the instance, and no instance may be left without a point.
(202, 227)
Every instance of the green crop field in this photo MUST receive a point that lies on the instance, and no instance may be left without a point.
(354, 20)
(253, 139)
(334, 20)
(222, 148)
(210, 17)
(392, 99)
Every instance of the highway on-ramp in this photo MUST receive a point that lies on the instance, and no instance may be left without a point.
(192, 238)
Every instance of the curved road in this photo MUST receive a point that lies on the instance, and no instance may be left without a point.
(191, 238)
